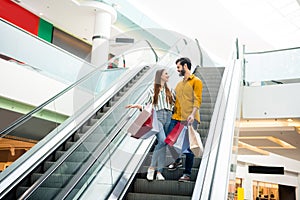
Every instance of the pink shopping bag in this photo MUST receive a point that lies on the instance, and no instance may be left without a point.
(142, 124)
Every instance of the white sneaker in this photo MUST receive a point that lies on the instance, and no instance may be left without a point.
(160, 177)
(150, 174)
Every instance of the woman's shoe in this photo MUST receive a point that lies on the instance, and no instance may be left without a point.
(150, 174)
(160, 177)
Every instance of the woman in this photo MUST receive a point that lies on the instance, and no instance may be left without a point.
(162, 101)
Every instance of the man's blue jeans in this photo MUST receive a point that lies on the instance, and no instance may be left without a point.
(189, 160)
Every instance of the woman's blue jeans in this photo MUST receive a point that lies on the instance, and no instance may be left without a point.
(159, 153)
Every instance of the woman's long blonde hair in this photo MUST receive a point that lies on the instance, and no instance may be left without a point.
(157, 86)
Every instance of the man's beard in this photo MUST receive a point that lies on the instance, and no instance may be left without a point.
(182, 72)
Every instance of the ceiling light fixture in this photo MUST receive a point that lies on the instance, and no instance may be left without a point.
(252, 148)
(282, 144)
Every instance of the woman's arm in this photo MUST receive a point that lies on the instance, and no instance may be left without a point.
(134, 106)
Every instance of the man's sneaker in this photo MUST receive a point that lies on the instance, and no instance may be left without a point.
(160, 177)
(184, 178)
(174, 166)
(150, 174)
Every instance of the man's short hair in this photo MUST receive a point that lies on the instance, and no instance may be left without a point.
(184, 60)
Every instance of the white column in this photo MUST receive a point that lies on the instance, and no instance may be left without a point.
(105, 16)
(247, 185)
(101, 37)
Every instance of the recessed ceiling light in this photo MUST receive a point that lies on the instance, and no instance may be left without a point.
(289, 120)
(252, 148)
(282, 144)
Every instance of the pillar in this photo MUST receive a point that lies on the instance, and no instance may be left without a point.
(298, 188)
(101, 37)
(105, 15)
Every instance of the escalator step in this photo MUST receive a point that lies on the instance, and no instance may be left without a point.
(206, 105)
(164, 187)
(171, 175)
(205, 117)
(54, 180)
(66, 168)
(92, 121)
(85, 128)
(169, 159)
(203, 125)
(42, 192)
(78, 156)
(139, 196)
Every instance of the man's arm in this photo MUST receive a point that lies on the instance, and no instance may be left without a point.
(197, 99)
(191, 117)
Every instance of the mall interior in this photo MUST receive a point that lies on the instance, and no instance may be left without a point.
(70, 67)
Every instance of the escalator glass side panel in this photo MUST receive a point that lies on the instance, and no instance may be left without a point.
(94, 140)
(122, 147)
(40, 132)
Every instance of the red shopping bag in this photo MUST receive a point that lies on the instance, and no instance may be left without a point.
(145, 128)
(142, 124)
(182, 143)
(173, 135)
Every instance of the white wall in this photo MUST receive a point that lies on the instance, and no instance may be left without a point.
(25, 85)
(290, 177)
(271, 101)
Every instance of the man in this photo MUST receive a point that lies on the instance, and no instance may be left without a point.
(186, 109)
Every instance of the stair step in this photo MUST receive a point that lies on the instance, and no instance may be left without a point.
(43, 192)
(169, 187)
(66, 168)
(170, 175)
(139, 196)
(54, 180)
(77, 156)
(169, 160)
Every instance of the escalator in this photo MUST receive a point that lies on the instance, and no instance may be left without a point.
(72, 164)
(62, 162)
(89, 154)
(171, 188)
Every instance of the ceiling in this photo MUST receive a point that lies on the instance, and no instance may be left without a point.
(278, 136)
(275, 22)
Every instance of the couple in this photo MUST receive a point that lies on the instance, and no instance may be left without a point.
(188, 94)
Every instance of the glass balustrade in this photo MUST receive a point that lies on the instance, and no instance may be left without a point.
(272, 67)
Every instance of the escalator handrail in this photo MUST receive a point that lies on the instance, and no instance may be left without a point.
(201, 54)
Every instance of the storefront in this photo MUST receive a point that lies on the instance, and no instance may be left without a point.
(265, 191)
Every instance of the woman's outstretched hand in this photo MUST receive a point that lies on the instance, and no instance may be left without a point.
(134, 106)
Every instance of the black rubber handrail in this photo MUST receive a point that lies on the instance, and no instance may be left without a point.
(200, 52)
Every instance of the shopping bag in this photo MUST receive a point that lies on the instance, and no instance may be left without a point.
(155, 127)
(182, 143)
(142, 124)
(173, 135)
(196, 145)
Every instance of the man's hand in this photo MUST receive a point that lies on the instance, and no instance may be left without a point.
(190, 119)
